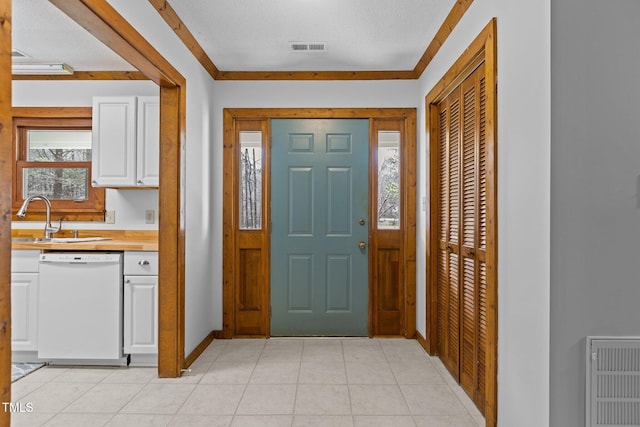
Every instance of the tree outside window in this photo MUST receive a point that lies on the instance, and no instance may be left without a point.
(53, 158)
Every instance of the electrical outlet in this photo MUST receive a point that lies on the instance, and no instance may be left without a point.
(110, 217)
(150, 216)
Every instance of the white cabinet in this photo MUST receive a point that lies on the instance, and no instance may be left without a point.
(125, 141)
(148, 142)
(24, 301)
(141, 307)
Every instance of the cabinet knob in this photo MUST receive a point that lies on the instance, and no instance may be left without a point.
(140, 181)
(127, 281)
(94, 182)
(143, 262)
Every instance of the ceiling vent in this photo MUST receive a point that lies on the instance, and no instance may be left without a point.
(317, 47)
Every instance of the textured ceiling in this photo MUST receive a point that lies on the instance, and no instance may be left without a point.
(43, 32)
(254, 35)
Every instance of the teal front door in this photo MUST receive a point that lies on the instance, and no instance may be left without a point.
(319, 227)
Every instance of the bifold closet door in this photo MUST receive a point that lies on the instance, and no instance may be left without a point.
(461, 231)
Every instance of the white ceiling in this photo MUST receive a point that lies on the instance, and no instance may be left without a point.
(43, 32)
(254, 35)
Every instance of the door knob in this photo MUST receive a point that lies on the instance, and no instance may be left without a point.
(362, 245)
(361, 222)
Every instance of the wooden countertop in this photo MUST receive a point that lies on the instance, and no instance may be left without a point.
(119, 240)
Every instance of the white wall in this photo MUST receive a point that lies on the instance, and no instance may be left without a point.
(128, 205)
(200, 275)
(595, 193)
(523, 196)
(298, 94)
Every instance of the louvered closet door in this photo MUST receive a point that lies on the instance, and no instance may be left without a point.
(449, 223)
(462, 226)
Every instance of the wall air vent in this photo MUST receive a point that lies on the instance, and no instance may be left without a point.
(308, 46)
(613, 382)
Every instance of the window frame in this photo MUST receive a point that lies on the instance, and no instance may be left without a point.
(25, 119)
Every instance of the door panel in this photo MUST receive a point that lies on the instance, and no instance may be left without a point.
(319, 193)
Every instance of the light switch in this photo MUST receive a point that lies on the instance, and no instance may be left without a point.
(110, 217)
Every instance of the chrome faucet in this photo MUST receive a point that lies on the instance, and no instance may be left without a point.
(48, 228)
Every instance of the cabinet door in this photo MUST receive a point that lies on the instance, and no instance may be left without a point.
(140, 314)
(24, 311)
(148, 141)
(113, 158)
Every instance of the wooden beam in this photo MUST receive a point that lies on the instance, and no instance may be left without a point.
(171, 233)
(100, 19)
(173, 20)
(456, 13)
(316, 75)
(86, 75)
(6, 169)
(108, 26)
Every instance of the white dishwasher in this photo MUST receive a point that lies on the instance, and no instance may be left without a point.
(80, 313)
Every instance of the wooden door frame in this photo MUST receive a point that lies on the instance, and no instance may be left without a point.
(107, 25)
(6, 177)
(482, 49)
(232, 118)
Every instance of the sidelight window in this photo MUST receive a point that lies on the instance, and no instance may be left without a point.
(389, 180)
(250, 180)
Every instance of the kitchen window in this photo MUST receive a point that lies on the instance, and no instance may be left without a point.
(53, 158)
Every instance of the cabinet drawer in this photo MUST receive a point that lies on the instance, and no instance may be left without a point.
(140, 263)
(25, 261)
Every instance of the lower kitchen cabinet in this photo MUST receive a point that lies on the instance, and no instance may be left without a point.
(141, 307)
(24, 305)
(24, 311)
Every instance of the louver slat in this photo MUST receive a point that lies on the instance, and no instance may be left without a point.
(442, 175)
(482, 169)
(454, 171)
(469, 168)
(453, 188)
(469, 329)
(443, 305)
(481, 392)
(454, 314)
(443, 215)
(482, 327)
(468, 200)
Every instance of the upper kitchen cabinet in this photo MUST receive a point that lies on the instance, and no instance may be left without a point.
(126, 136)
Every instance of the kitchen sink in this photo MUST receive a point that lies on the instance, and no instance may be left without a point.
(77, 239)
(29, 240)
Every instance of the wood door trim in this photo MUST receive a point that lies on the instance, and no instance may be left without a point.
(483, 48)
(6, 172)
(107, 25)
(232, 117)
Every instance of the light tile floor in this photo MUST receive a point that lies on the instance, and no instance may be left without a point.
(258, 383)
